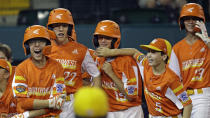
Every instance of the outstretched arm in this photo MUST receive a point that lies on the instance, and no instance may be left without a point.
(106, 52)
(30, 114)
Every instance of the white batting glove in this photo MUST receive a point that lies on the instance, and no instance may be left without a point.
(22, 115)
(204, 34)
(57, 101)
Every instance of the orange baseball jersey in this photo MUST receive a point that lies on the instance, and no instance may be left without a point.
(73, 57)
(7, 101)
(191, 63)
(126, 69)
(164, 94)
(31, 82)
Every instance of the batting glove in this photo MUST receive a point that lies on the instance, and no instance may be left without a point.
(57, 101)
(22, 115)
(203, 35)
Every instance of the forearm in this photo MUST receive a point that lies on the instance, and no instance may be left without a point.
(97, 81)
(40, 104)
(118, 83)
(187, 111)
(25, 104)
(124, 51)
(35, 113)
(106, 52)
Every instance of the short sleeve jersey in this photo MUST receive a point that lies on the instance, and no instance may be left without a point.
(165, 95)
(71, 57)
(191, 63)
(38, 83)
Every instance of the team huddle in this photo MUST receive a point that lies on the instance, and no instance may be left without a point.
(50, 82)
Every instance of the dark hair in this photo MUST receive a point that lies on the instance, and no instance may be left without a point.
(26, 44)
(70, 28)
(6, 50)
(188, 17)
(166, 61)
(96, 44)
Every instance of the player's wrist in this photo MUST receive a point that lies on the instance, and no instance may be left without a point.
(51, 103)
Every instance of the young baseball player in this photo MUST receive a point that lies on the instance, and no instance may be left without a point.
(73, 56)
(38, 84)
(7, 101)
(6, 53)
(190, 59)
(164, 93)
(91, 102)
(120, 75)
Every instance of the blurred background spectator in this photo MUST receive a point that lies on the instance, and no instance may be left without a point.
(28, 12)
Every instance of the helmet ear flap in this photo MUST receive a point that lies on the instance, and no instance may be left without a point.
(27, 49)
(113, 43)
(182, 26)
(95, 41)
(70, 28)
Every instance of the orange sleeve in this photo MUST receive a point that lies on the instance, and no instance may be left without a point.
(178, 89)
(19, 85)
(129, 74)
(24, 104)
(59, 85)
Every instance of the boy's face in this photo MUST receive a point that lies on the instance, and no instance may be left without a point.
(105, 41)
(36, 46)
(189, 22)
(155, 58)
(4, 74)
(61, 32)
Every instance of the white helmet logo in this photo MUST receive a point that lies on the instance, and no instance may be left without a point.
(36, 31)
(190, 9)
(102, 28)
(59, 16)
(154, 41)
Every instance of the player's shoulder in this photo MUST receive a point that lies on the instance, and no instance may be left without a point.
(24, 63)
(125, 59)
(74, 43)
(180, 43)
(170, 74)
(53, 62)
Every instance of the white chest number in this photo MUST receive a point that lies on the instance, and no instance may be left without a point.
(69, 78)
(198, 74)
(158, 107)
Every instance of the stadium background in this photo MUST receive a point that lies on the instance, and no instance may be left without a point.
(139, 23)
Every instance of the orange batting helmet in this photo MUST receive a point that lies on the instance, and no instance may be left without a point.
(191, 9)
(61, 15)
(35, 31)
(108, 28)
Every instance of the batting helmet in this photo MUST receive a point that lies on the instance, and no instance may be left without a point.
(191, 9)
(107, 28)
(61, 15)
(35, 31)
